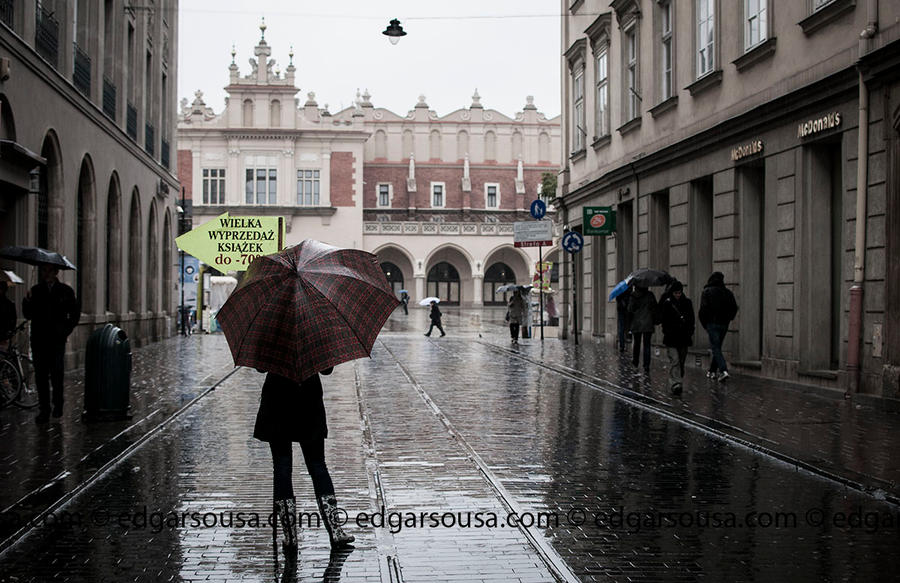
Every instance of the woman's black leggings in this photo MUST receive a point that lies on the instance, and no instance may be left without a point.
(313, 455)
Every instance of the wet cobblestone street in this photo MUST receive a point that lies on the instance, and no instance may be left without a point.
(726, 483)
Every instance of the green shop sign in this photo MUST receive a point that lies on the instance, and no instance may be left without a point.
(599, 220)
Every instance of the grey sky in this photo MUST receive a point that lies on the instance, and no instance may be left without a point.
(506, 48)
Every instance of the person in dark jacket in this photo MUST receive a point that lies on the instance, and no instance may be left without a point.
(404, 301)
(54, 312)
(435, 319)
(717, 309)
(642, 307)
(7, 316)
(676, 314)
(515, 314)
(623, 318)
(292, 412)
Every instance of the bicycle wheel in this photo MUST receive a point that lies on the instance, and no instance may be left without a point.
(28, 396)
(10, 383)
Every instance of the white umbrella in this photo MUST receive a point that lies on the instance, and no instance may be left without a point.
(10, 277)
(427, 301)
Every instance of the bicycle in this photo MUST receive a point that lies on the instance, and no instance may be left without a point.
(17, 376)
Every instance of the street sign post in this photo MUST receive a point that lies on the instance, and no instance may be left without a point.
(573, 243)
(232, 243)
(599, 220)
(532, 233)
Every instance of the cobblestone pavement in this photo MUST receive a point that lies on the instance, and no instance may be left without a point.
(631, 485)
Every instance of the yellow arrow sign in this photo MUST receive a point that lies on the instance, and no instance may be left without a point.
(232, 243)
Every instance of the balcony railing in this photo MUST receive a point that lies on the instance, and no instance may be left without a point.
(46, 36)
(81, 74)
(149, 138)
(429, 228)
(131, 121)
(164, 153)
(109, 98)
(8, 12)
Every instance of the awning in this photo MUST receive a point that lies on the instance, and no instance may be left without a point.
(19, 155)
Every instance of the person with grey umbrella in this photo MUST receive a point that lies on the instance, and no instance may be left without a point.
(54, 312)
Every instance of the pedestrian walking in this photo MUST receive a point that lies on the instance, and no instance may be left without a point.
(435, 319)
(515, 315)
(292, 412)
(676, 314)
(623, 317)
(642, 307)
(7, 316)
(54, 312)
(404, 301)
(717, 309)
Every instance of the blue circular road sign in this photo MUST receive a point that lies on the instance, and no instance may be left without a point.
(572, 242)
(538, 209)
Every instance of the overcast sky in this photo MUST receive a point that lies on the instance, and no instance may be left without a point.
(506, 48)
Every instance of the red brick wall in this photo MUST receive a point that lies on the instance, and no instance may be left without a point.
(342, 168)
(451, 176)
(186, 172)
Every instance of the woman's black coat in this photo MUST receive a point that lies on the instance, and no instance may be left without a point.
(291, 411)
(677, 320)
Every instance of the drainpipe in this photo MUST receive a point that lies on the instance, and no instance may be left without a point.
(563, 177)
(854, 340)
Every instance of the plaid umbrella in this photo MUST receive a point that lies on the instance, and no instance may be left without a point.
(307, 308)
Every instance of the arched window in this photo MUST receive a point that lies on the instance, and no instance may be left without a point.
(544, 147)
(443, 282)
(516, 145)
(167, 279)
(462, 144)
(85, 231)
(247, 118)
(490, 146)
(381, 144)
(394, 276)
(408, 144)
(275, 114)
(113, 246)
(134, 253)
(152, 261)
(434, 145)
(497, 275)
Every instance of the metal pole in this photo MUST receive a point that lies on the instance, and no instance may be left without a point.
(541, 285)
(181, 310)
(574, 301)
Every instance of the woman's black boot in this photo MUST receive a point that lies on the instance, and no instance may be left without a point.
(328, 509)
(286, 511)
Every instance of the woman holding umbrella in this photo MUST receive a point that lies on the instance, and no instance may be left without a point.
(516, 315)
(297, 314)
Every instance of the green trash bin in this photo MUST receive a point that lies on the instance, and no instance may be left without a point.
(107, 374)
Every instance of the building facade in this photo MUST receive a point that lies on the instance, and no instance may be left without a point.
(87, 95)
(744, 137)
(434, 197)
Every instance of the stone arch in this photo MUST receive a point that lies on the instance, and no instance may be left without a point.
(86, 237)
(7, 121)
(50, 195)
(275, 114)
(490, 146)
(399, 257)
(496, 274)
(462, 262)
(434, 145)
(512, 256)
(134, 253)
(168, 266)
(153, 280)
(462, 144)
(113, 284)
(247, 113)
(381, 144)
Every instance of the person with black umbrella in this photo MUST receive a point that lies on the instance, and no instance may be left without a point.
(54, 312)
(642, 307)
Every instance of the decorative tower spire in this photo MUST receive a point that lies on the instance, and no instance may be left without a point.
(262, 30)
(476, 100)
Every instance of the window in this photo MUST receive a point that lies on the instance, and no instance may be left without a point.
(706, 34)
(384, 195)
(665, 31)
(633, 108)
(437, 194)
(261, 186)
(578, 118)
(491, 194)
(755, 25)
(602, 121)
(213, 186)
(308, 187)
